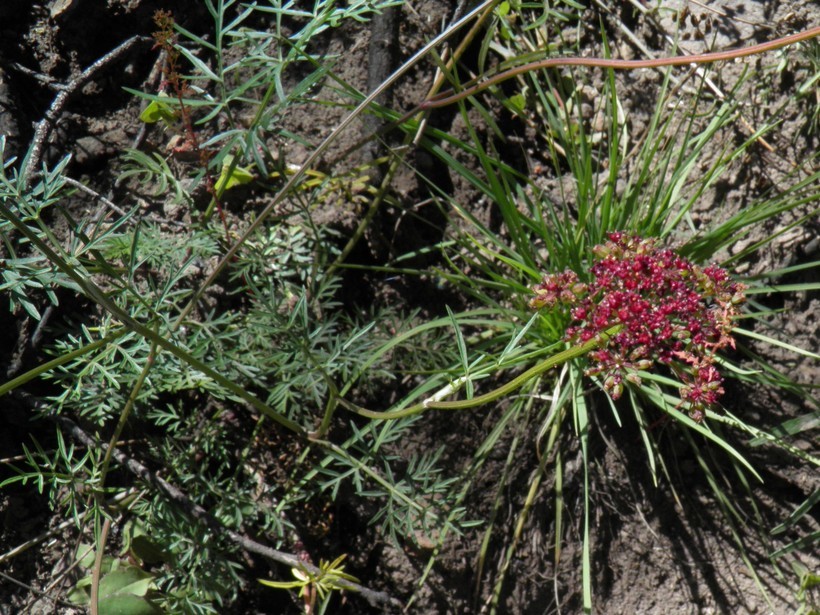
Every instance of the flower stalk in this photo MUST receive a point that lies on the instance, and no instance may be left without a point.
(433, 402)
(644, 306)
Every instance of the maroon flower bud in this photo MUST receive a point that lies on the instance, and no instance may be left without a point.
(672, 311)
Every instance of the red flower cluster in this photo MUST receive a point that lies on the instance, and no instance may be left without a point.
(670, 311)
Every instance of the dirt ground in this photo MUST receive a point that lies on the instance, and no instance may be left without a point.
(654, 551)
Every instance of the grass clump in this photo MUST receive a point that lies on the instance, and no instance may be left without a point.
(220, 353)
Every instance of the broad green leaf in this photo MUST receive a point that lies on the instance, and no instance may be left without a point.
(140, 545)
(127, 604)
(80, 594)
(147, 550)
(232, 175)
(156, 111)
(810, 581)
(518, 102)
(130, 580)
(86, 555)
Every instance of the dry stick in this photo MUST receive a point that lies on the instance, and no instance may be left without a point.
(40, 594)
(314, 156)
(15, 551)
(381, 55)
(44, 126)
(679, 83)
(49, 82)
(716, 11)
(38, 142)
(450, 63)
(399, 153)
(375, 598)
(448, 59)
(701, 58)
(4, 557)
(384, 34)
(113, 207)
(700, 72)
(96, 195)
(152, 83)
(474, 87)
(16, 458)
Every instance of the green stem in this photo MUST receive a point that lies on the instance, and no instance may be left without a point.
(433, 403)
(94, 292)
(126, 411)
(61, 360)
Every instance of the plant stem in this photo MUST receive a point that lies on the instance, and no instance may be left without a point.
(433, 403)
(94, 292)
(61, 360)
(446, 98)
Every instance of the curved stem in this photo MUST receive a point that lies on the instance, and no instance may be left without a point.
(446, 98)
(94, 292)
(433, 403)
(61, 360)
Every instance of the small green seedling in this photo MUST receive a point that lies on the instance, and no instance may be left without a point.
(232, 175)
(331, 576)
(125, 589)
(158, 110)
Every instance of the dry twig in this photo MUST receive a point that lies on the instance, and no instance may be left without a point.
(375, 598)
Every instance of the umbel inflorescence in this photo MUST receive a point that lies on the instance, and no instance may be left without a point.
(669, 310)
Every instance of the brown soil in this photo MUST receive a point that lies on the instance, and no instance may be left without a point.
(654, 550)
